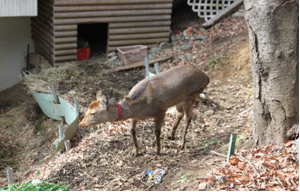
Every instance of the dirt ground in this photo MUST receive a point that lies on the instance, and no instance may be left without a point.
(100, 157)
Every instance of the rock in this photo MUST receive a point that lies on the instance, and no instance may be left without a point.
(117, 62)
(189, 57)
(110, 60)
(111, 54)
(191, 41)
(178, 36)
(209, 112)
(180, 57)
(238, 14)
(150, 56)
(155, 50)
(202, 29)
(201, 37)
(164, 45)
(131, 180)
(182, 38)
(186, 46)
(173, 37)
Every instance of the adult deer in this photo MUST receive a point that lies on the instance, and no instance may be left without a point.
(151, 98)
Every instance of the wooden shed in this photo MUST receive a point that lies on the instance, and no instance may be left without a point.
(111, 23)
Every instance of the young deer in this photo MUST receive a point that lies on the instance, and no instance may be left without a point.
(151, 98)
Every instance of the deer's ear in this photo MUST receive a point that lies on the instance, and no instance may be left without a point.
(104, 101)
(99, 94)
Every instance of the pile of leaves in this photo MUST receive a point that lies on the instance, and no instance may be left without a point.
(270, 167)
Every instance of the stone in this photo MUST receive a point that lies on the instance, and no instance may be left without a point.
(111, 54)
(178, 36)
(238, 14)
(110, 60)
(155, 50)
(189, 57)
(117, 62)
(202, 29)
(201, 37)
(173, 37)
(180, 57)
(186, 46)
(165, 45)
(150, 56)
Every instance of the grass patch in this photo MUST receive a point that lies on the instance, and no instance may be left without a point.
(36, 185)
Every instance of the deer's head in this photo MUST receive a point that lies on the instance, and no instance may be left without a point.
(97, 112)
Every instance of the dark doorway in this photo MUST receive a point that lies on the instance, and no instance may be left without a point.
(96, 36)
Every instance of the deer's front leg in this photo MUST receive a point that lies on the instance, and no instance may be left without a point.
(187, 107)
(133, 133)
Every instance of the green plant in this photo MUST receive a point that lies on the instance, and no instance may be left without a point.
(36, 185)
(200, 44)
(57, 146)
(209, 143)
(251, 92)
(213, 62)
(183, 178)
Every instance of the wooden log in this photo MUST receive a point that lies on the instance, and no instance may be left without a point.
(35, 25)
(136, 41)
(138, 64)
(45, 7)
(111, 19)
(47, 3)
(66, 52)
(65, 27)
(44, 38)
(139, 36)
(65, 58)
(66, 34)
(114, 48)
(42, 52)
(47, 49)
(139, 30)
(46, 15)
(46, 20)
(65, 40)
(224, 13)
(107, 2)
(112, 7)
(42, 24)
(113, 13)
(140, 24)
(65, 46)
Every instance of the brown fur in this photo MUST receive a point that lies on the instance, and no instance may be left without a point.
(151, 98)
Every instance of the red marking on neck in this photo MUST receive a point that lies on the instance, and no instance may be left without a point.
(120, 111)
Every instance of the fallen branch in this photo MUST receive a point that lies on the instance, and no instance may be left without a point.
(243, 158)
(137, 64)
(216, 153)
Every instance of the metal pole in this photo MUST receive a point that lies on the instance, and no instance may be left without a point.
(60, 132)
(156, 68)
(10, 178)
(67, 145)
(147, 66)
(54, 93)
(76, 107)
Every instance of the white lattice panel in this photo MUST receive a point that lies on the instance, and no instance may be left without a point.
(208, 8)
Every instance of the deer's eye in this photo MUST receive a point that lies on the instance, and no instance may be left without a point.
(92, 114)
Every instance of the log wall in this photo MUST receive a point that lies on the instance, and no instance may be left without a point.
(131, 22)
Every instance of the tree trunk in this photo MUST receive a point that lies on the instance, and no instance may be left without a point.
(273, 28)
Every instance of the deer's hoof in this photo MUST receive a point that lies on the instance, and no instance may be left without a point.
(181, 145)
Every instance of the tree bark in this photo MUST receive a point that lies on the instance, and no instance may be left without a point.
(273, 28)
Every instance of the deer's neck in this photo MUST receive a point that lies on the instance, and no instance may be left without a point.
(126, 110)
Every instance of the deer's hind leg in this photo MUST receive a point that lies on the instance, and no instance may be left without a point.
(187, 108)
(179, 115)
(158, 124)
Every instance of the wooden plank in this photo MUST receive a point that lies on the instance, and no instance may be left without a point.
(136, 41)
(114, 48)
(66, 34)
(107, 2)
(47, 49)
(42, 24)
(111, 19)
(66, 52)
(65, 46)
(65, 27)
(40, 28)
(139, 30)
(224, 13)
(112, 7)
(139, 36)
(113, 13)
(66, 58)
(140, 24)
(42, 37)
(137, 64)
(45, 7)
(65, 40)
